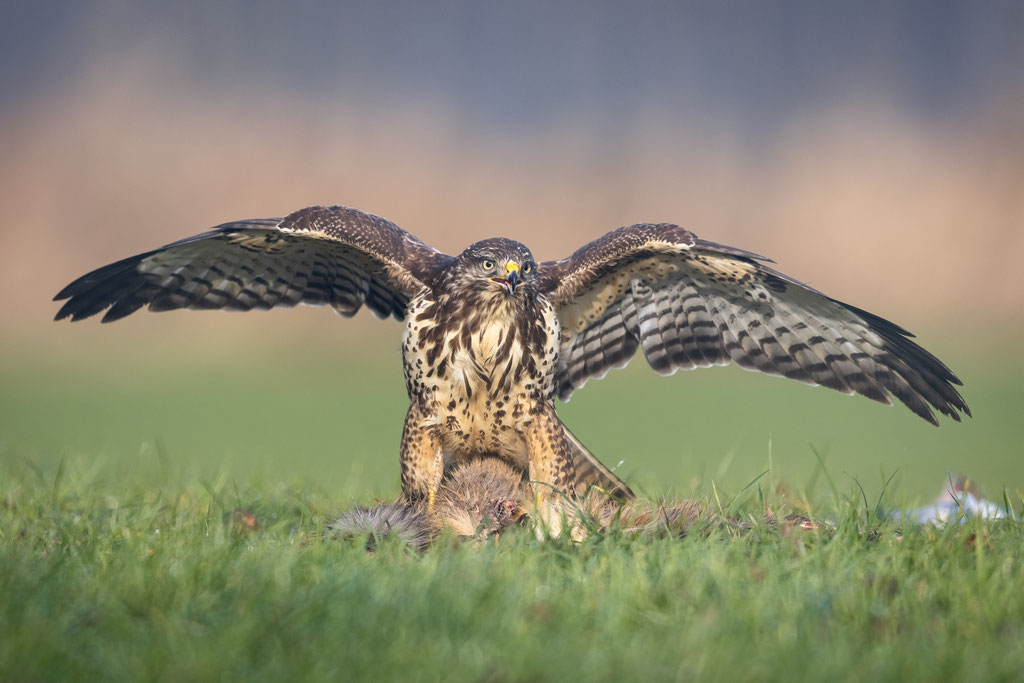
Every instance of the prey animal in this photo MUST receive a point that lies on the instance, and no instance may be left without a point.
(492, 337)
(485, 497)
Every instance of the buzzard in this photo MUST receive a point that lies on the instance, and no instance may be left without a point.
(492, 337)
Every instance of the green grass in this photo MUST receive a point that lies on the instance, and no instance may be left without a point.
(122, 558)
(139, 579)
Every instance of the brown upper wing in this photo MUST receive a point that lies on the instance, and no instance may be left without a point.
(332, 256)
(688, 303)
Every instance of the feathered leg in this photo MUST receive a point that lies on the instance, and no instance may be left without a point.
(422, 458)
(552, 472)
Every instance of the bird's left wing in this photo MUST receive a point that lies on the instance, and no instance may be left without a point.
(332, 256)
(689, 303)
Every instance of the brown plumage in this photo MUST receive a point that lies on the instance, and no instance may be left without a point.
(492, 337)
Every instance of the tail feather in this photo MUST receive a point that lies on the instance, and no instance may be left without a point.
(592, 472)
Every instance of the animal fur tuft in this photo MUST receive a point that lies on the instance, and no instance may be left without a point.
(408, 523)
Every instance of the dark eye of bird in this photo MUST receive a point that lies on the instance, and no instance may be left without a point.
(527, 268)
(488, 264)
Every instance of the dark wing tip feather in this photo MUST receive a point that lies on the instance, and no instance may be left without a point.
(930, 378)
(112, 281)
(878, 323)
(88, 281)
(107, 286)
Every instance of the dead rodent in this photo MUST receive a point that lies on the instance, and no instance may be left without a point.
(481, 499)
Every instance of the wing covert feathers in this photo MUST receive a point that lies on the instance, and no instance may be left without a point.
(691, 303)
(318, 255)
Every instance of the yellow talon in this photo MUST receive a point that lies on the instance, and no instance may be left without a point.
(431, 495)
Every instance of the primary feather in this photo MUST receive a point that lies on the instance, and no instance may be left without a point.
(331, 256)
(686, 303)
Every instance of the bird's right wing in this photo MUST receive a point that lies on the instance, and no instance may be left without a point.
(686, 302)
(332, 256)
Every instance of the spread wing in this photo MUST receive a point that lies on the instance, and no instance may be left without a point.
(687, 302)
(331, 256)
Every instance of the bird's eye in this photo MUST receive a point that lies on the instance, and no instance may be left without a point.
(488, 264)
(528, 267)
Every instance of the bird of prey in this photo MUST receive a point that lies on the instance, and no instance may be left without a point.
(492, 337)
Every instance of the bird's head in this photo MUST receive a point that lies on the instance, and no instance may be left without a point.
(497, 268)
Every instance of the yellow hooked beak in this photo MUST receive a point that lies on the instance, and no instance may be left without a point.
(511, 279)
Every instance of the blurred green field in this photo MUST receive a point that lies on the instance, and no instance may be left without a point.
(318, 418)
(124, 554)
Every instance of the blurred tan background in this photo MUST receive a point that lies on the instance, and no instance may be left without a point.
(876, 151)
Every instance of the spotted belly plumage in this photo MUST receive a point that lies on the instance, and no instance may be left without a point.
(477, 370)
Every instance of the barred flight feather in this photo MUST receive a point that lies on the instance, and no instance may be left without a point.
(319, 256)
(693, 303)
